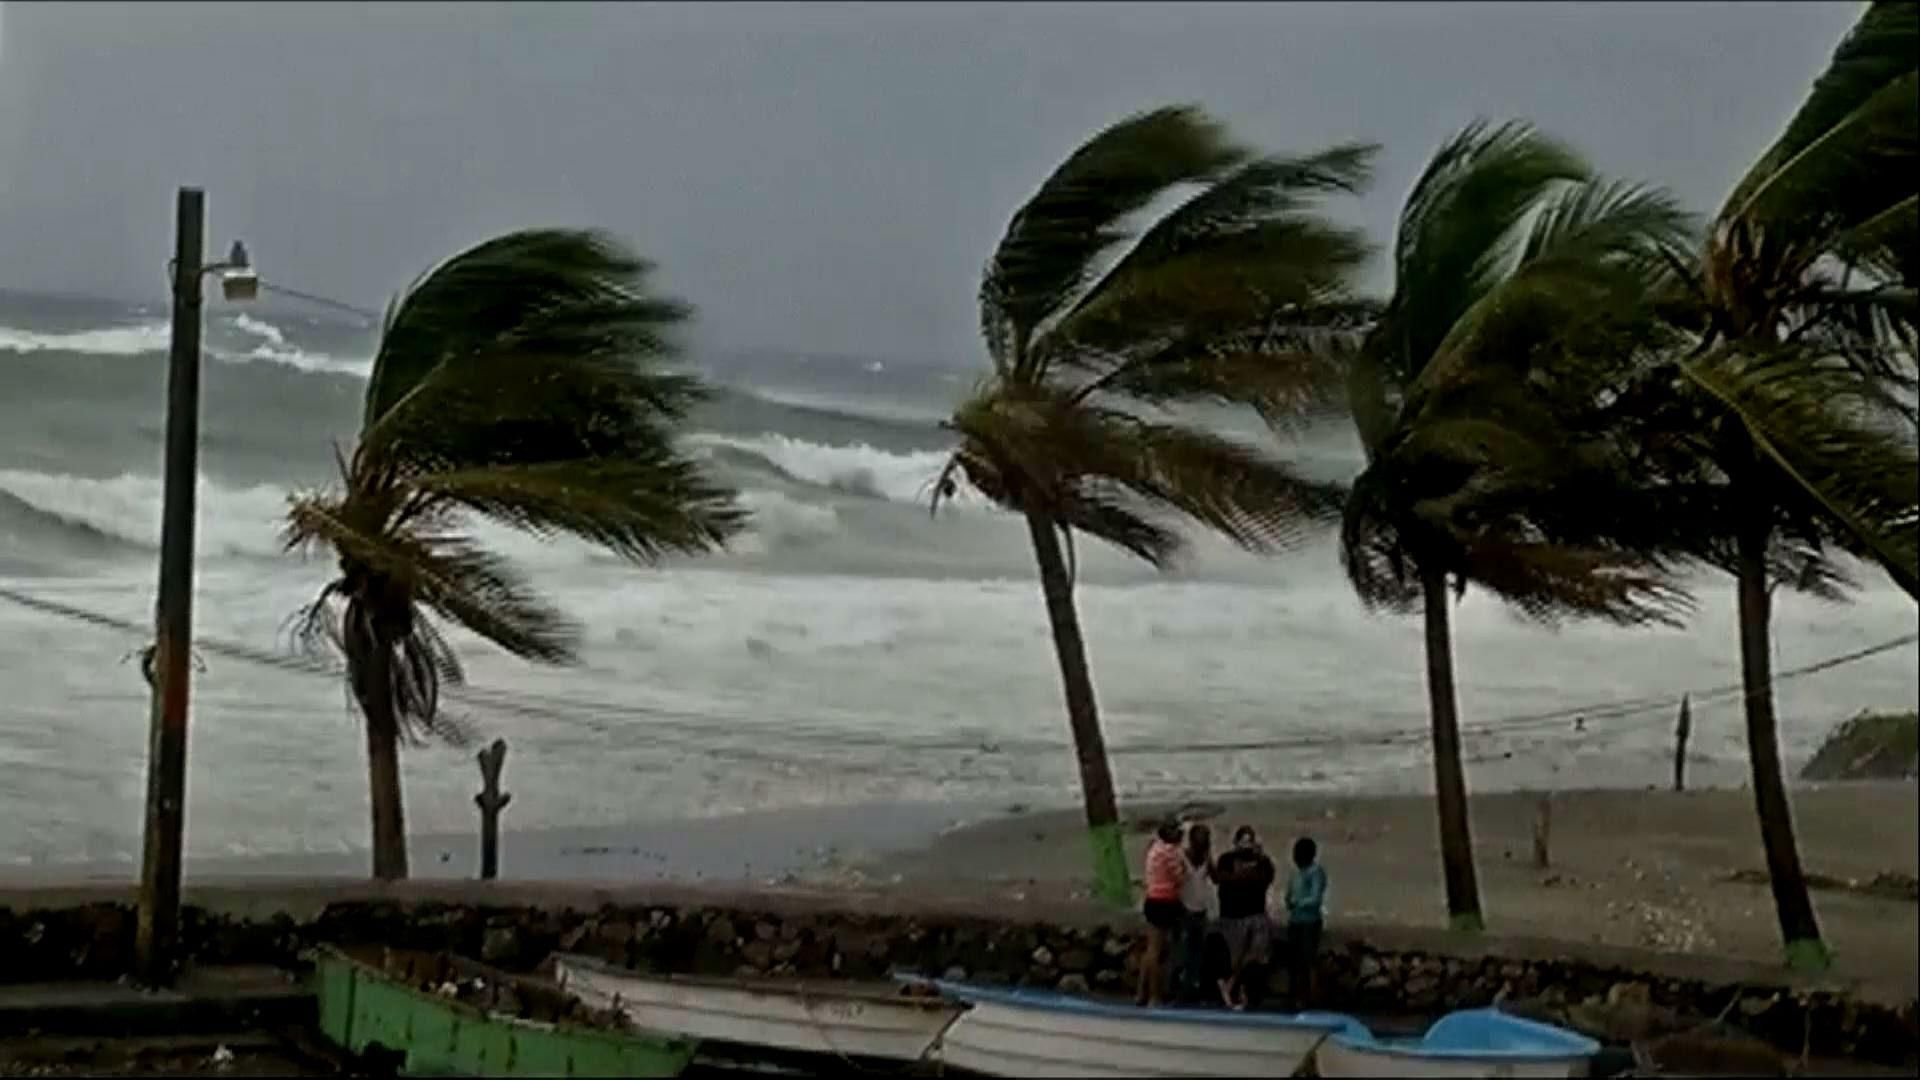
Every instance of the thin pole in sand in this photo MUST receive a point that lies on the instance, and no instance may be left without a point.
(1681, 730)
(491, 801)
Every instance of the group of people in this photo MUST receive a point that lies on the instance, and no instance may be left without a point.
(1207, 919)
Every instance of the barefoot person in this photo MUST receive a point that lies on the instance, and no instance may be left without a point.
(1306, 901)
(1166, 876)
(1196, 902)
(1244, 876)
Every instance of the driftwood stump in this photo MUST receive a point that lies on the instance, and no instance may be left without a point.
(491, 801)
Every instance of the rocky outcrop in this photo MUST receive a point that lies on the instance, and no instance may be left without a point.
(1610, 1001)
(1870, 746)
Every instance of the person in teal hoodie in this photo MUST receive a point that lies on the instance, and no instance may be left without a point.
(1306, 901)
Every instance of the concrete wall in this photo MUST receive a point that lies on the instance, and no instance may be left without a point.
(1367, 973)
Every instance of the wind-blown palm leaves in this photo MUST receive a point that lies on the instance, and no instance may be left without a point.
(1794, 418)
(1212, 303)
(518, 382)
(1483, 399)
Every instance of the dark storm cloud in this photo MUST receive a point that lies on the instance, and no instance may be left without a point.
(821, 178)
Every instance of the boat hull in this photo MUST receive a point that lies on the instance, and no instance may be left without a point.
(1339, 1062)
(1463, 1043)
(362, 1008)
(1010, 1034)
(846, 1021)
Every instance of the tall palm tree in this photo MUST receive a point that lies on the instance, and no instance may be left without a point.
(1481, 396)
(519, 382)
(1792, 429)
(1089, 344)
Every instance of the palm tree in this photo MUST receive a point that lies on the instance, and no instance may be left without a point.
(1088, 347)
(1793, 427)
(1482, 398)
(519, 382)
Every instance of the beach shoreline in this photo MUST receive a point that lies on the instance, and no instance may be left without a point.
(1668, 871)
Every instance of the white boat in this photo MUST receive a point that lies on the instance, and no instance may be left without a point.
(1462, 1044)
(873, 1022)
(1037, 1033)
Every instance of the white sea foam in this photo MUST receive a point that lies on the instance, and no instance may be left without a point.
(129, 340)
(275, 349)
(856, 468)
(231, 521)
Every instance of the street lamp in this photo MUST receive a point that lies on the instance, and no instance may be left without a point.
(157, 933)
(237, 279)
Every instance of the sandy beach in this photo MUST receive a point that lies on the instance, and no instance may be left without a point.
(1645, 869)
(1640, 869)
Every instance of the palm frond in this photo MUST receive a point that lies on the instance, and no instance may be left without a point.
(1231, 283)
(1377, 559)
(1818, 424)
(640, 507)
(1054, 240)
(1284, 384)
(449, 574)
(512, 408)
(1854, 135)
(1459, 231)
(540, 293)
(1268, 196)
(1548, 582)
(1887, 243)
(1108, 515)
(1050, 453)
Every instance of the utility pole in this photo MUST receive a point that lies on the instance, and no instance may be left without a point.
(157, 941)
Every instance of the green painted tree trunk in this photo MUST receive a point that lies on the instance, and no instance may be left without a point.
(1449, 779)
(1112, 881)
(383, 766)
(1799, 929)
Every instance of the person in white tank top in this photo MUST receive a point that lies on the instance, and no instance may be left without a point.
(1198, 897)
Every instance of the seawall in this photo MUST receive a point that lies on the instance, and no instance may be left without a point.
(87, 932)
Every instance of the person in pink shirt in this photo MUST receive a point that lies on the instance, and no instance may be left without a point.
(1166, 876)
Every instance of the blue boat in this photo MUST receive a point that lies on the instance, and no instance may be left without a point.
(1466, 1043)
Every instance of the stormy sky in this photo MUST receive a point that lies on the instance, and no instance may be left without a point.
(819, 178)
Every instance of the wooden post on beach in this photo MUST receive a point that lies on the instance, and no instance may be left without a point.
(1542, 825)
(491, 801)
(1680, 732)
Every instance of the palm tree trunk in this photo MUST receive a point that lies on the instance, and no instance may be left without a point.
(1449, 780)
(383, 767)
(1112, 882)
(1791, 902)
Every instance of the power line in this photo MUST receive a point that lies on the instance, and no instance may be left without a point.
(313, 298)
(598, 715)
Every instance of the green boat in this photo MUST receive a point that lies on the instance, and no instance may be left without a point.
(440, 1015)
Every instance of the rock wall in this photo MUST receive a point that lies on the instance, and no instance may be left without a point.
(96, 941)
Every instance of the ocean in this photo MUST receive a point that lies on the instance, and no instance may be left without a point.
(852, 649)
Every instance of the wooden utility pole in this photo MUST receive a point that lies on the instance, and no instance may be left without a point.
(491, 801)
(1680, 732)
(157, 935)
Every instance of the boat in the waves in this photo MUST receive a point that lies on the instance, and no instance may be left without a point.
(853, 1021)
(1040, 1033)
(1462, 1044)
(435, 1014)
